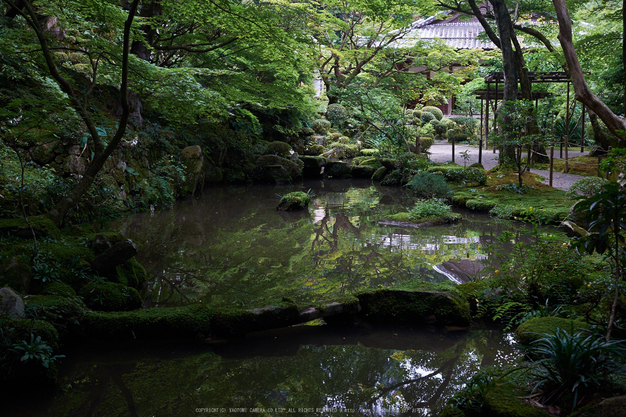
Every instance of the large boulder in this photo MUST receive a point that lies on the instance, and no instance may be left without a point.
(338, 169)
(105, 263)
(44, 153)
(11, 304)
(191, 156)
(276, 169)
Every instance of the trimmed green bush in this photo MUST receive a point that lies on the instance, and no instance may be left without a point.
(434, 110)
(427, 117)
(586, 187)
(336, 114)
(429, 185)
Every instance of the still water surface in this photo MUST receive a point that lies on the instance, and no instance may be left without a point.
(230, 246)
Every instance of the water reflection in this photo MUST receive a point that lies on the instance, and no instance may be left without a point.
(312, 371)
(231, 247)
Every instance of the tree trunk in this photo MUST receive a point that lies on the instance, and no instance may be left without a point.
(615, 123)
(509, 61)
(101, 154)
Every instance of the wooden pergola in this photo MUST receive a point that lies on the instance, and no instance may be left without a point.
(497, 78)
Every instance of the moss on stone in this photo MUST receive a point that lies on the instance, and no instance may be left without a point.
(59, 289)
(110, 296)
(166, 323)
(131, 273)
(64, 313)
(278, 148)
(406, 217)
(535, 328)
(296, 200)
(18, 227)
(415, 307)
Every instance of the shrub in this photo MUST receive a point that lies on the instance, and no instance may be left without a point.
(417, 114)
(428, 185)
(434, 208)
(320, 126)
(336, 114)
(425, 143)
(427, 117)
(434, 110)
(464, 175)
(440, 128)
(580, 363)
(586, 187)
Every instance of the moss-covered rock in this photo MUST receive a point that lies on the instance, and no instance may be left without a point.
(59, 289)
(296, 200)
(278, 148)
(18, 227)
(131, 273)
(535, 328)
(493, 397)
(64, 313)
(338, 169)
(314, 150)
(275, 169)
(415, 307)
(313, 166)
(379, 174)
(110, 296)
(166, 323)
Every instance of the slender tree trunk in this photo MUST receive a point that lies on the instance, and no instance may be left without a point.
(101, 154)
(615, 123)
(509, 61)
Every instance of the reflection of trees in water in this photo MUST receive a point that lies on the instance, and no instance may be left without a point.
(233, 248)
(372, 380)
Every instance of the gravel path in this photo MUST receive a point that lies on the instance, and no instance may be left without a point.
(441, 151)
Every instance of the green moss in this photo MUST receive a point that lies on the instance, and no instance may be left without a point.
(379, 174)
(131, 273)
(296, 200)
(15, 330)
(64, 313)
(480, 204)
(166, 323)
(368, 152)
(416, 307)
(59, 289)
(534, 328)
(278, 148)
(493, 392)
(410, 218)
(18, 227)
(110, 296)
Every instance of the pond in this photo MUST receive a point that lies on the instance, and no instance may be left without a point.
(300, 371)
(230, 246)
